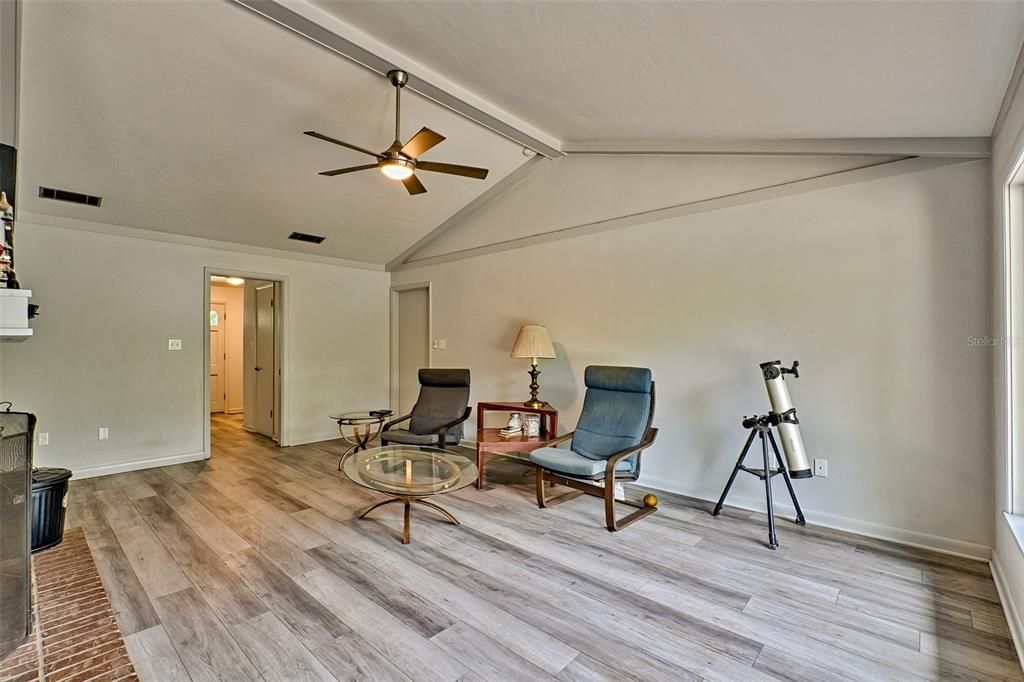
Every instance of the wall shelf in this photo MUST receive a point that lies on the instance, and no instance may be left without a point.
(15, 335)
(14, 314)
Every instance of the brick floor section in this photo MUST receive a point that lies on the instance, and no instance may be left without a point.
(80, 637)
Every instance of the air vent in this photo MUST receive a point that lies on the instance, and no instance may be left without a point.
(303, 237)
(73, 197)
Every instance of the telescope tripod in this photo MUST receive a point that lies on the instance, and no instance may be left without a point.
(761, 426)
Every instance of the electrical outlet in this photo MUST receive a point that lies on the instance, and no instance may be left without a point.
(173, 344)
(43, 438)
(821, 468)
(104, 433)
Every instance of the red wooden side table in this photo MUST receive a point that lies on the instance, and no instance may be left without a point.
(490, 441)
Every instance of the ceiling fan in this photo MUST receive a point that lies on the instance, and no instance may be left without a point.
(399, 162)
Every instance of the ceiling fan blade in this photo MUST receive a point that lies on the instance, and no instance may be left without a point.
(413, 184)
(421, 142)
(350, 169)
(452, 169)
(327, 138)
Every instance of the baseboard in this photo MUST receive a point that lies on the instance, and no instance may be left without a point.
(122, 467)
(1009, 607)
(911, 538)
(307, 440)
(235, 410)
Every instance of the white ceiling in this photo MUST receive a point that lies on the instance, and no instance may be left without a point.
(187, 117)
(657, 70)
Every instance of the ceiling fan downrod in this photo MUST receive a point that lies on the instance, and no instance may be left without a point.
(398, 79)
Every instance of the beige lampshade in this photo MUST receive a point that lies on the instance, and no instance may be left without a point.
(533, 342)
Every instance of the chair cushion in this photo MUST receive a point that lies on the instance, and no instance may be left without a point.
(404, 437)
(569, 463)
(615, 412)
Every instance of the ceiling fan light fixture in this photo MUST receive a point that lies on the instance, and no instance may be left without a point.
(396, 169)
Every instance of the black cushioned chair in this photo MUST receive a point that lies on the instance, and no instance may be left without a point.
(612, 432)
(436, 418)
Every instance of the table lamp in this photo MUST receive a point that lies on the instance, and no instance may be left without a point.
(533, 342)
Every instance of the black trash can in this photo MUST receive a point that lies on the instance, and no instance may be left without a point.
(49, 502)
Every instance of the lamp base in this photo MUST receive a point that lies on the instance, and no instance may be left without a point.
(534, 402)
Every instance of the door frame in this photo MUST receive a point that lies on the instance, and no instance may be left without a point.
(280, 317)
(396, 289)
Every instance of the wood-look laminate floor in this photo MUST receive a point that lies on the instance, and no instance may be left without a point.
(252, 566)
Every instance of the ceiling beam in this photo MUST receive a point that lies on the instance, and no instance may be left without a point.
(1010, 93)
(330, 32)
(938, 147)
(874, 171)
(493, 192)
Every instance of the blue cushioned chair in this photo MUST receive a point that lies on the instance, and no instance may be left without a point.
(613, 431)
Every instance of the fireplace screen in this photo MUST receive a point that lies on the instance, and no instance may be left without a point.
(16, 431)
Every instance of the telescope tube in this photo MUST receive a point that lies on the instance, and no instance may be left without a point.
(789, 425)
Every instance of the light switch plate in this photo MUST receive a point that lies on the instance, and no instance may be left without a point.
(104, 433)
(821, 468)
(173, 344)
(43, 438)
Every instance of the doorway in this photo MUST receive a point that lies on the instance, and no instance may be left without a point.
(219, 383)
(244, 358)
(410, 343)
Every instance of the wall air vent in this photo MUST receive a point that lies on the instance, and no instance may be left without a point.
(73, 197)
(303, 237)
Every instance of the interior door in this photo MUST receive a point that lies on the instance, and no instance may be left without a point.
(413, 344)
(218, 358)
(266, 361)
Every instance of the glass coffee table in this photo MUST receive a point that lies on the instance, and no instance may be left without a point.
(410, 473)
(364, 427)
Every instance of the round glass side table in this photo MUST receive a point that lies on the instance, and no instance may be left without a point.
(358, 429)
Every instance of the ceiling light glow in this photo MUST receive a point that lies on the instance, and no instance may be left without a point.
(396, 169)
(235, 281)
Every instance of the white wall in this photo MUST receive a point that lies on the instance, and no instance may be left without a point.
(99, 355)
(233, 299)
(874, 286)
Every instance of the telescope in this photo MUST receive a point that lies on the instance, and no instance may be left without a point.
(782, 418)
(788, 425)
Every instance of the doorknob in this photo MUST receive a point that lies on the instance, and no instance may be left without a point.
(257, 368)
